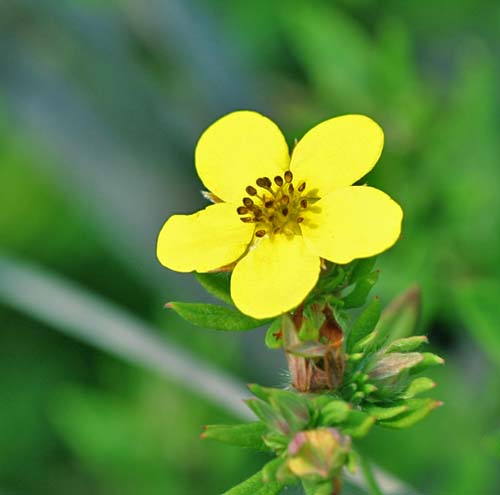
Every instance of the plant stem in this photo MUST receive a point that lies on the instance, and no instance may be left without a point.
(369, 476)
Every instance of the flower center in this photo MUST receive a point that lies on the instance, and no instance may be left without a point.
(275, 206)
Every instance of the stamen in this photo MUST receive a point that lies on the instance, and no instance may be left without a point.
(302, 186)
(285, 200)
(290, 188)
(246, 219)
(260, 233)
(300, 219)
(269, 204)
(241, 210)
(257, 212)
(278, 180)
(251, 190)
(284, 211)
(264, 182)
(276, 230)
(288, 176)
(303, 203)
(247, 202)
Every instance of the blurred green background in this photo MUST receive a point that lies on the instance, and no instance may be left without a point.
(101, 104)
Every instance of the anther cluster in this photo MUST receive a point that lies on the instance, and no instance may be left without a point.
(274, 206)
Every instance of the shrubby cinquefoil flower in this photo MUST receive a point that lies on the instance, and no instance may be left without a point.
(276, 216)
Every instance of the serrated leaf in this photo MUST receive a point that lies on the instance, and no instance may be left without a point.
(218, 284)
(429, 360)
(247, 435)
(407, 344)
(364, 324)
(333, 413)
(382, 413)
(357, 297)
(215, 317)
(255, 485)
(418, 386)
(418, 410)
(357, 424)
(274, 335)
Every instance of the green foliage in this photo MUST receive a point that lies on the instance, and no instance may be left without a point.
(248, 435)
(215, 317)
(256, 485)
(274, 340)
(358, 295)
(217, 284)
(363, 325)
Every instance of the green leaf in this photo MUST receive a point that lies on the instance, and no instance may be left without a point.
(255, 485)
(364, 324)
(418, 410)
(357, 424)
(428, 361)
(418, 386)
(332, 280)
(407, 344)
(215, 317)
(362, 268)
(357, 297)
(335, 412)
(248, 435)
(274, 336)
(368, 344)
(386, 412)
(218, 284)
(270, 470)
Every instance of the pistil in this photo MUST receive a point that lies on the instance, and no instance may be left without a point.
(278, 209)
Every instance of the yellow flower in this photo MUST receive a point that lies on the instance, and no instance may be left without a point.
(276, 216)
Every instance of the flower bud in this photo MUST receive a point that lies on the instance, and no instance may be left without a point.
(319, 453)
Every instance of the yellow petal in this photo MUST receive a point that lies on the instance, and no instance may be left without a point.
(274, 277)
(204, 241)
(238, 149)
(337, 152)
(352, 222)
